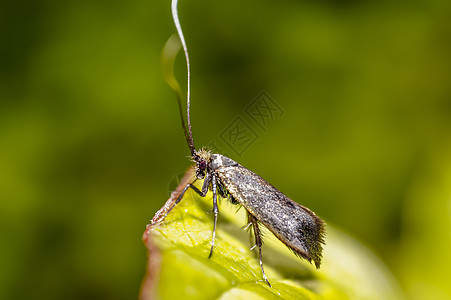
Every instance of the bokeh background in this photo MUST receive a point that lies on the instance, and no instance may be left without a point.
(90, 137)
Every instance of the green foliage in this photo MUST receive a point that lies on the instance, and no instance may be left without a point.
(90, 135)
(179, 267)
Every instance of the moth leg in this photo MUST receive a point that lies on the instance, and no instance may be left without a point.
(222, 191)
(215, 211)
(194, 188)
(246, 227)
(258, 242)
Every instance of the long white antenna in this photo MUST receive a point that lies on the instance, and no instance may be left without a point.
(185, 49)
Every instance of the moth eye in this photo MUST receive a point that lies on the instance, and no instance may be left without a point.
(202, 165)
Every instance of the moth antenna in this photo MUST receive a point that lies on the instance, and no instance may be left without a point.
(168, 55)
(185, 49)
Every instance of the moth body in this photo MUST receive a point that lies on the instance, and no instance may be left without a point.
(295, 225)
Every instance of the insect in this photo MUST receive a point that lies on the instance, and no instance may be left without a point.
(293, 224)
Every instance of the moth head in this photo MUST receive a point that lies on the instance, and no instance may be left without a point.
(202, 159)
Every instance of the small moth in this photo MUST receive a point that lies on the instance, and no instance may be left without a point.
(293, 224)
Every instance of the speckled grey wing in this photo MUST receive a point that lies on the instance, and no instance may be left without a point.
(295, 225)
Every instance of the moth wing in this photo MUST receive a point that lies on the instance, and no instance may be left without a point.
(295, 225)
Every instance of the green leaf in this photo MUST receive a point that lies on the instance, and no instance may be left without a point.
(179, 267)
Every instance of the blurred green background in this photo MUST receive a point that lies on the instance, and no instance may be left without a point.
(90, 137)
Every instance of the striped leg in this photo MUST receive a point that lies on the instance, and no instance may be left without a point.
(215, 211)
(258, 243)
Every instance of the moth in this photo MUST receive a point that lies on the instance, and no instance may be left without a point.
(295, 225)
